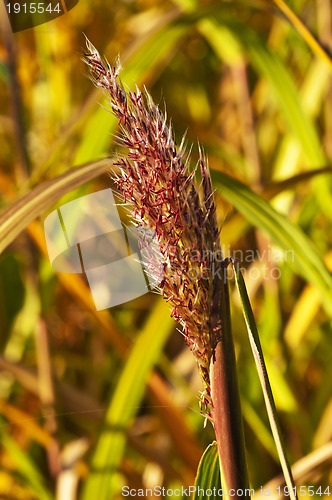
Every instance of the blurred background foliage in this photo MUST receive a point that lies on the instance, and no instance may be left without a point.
(91, 401)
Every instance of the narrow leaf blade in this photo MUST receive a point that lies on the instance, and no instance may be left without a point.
(15, 218)
(303, 256)
(125, 402)
(208, 475)
(264, 379)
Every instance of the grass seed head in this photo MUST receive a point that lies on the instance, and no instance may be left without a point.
(164, 195)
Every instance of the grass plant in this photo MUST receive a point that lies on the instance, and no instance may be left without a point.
(91, 400)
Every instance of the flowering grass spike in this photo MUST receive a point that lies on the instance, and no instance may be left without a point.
(155, 179)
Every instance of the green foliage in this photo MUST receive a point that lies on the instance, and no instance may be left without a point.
(299, 250)
(264, 380)
(27, 469)
(126, 402)
(245, 84)
(208, 473)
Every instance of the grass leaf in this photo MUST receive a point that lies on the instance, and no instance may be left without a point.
(25, 466)
(16, 217)
(208, 473)
(125, 402)
(264, 379)
(304, 257)
(269, 65)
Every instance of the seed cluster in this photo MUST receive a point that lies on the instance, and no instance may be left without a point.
(156, 181)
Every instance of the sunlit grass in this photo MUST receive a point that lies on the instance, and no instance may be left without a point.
(247, 86)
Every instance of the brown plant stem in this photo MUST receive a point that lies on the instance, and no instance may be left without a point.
(227, 416)
(21, 165)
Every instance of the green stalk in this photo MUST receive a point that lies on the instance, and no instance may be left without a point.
(264, 380)
(227, 417)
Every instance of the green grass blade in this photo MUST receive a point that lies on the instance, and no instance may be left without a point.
(15, 218)
(301, 125)
(315, 46)
(125, 402)
(255, 421)
(300, 253)
(208, 474)
(264, 379)
(25, 466)
(269, 65)
(293, 181)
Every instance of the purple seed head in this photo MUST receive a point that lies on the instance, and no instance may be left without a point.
(164, 195)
